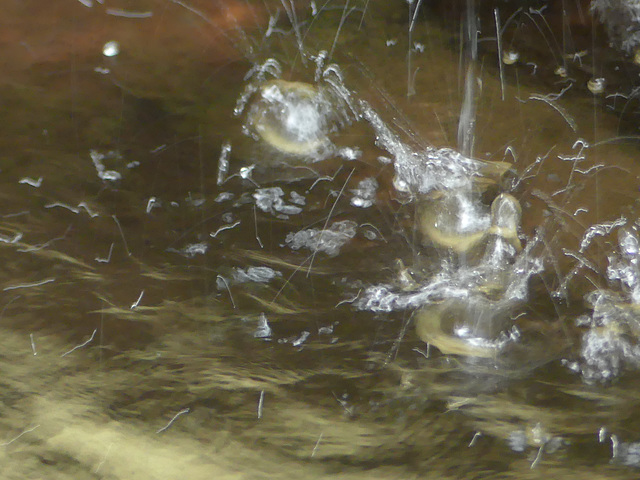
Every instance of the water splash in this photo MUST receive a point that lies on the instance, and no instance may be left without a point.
(611, 342)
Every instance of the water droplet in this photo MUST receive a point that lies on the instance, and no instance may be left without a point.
(561, 71)
(510, 57)
(596, 85)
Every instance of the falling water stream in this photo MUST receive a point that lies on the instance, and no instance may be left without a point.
(276, 239)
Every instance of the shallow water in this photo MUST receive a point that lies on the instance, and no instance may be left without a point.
(152, 328)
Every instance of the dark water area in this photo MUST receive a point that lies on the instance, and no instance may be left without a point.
(183, 296)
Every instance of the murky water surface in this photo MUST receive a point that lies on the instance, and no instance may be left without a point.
(212, 272)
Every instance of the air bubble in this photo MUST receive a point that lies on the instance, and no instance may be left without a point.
(596, 85)
(510, 57)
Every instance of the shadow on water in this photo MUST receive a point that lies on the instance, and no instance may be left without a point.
(193, 292)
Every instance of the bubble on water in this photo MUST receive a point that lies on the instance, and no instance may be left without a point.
(224, 197)
(503, 243)
(370, 235)
(499, 251)
(296, 198)
(624, 453)
(517, 441)
(254, 274)
(510, 57)
(223, 163)
(599, 230)
(364, 196)
(271, 200)
(610, 344)
(506, 212)
(299, 114)
(603, 352)
(98, 159)
(194, 249)
(561, 71)
(349, 153)
(266, 198)
(301, 339)
(191, 250)
(459, 214)
(111, 49)
(246, 172)
(510, 281)
(195, 200)
(329, 241)
(152, 203)
(625, 265)
(327, 330)
(421, 172)
(295, 118)
(628, 243)
(621, 20)
(596, 85)
(110, 175)
(263, 330)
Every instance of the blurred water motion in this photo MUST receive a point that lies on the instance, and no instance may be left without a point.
(184, 297)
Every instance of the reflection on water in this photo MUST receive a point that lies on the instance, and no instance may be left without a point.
(226, 242)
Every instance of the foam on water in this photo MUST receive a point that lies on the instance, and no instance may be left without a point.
(254, 274)
(271, 200)
(611, 342)
(329, 240)
(421, 172)
(483, 259)
(364, 196)
(294, 118)
(625, 267)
